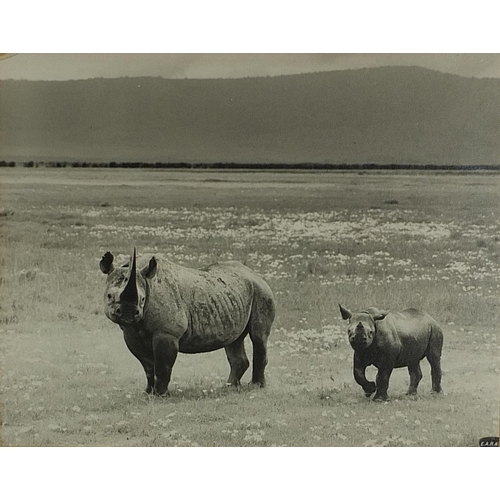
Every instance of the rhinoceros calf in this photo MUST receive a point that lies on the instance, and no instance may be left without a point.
(164, 308)
(391, 340)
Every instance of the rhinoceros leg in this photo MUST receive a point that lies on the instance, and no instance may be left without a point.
(259, 327)
(259, 361)
(144, 353)
(435, 362)
(259, 333)
(360, 376)
(149, 368)
(238, 360)
(382, 381)
(165, 349)
(415, 377)
(434, 357)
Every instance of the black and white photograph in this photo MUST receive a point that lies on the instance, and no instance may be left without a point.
(249, 250)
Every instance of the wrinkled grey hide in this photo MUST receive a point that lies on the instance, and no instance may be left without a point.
(164, 308)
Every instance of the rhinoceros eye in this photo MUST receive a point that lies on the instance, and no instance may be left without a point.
(109, 296)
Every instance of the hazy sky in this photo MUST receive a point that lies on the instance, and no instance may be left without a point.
(80, 66)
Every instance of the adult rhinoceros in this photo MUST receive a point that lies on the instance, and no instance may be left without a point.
(164, 308)
(391, 340)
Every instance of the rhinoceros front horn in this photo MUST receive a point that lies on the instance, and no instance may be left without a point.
(129, 293)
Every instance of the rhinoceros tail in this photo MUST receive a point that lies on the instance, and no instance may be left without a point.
(436, 339)
(259, 326)
(433, 354)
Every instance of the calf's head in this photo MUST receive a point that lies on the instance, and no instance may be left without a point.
(361, 328)
(127, 290)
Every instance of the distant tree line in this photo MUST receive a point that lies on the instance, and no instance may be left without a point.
(247, 166)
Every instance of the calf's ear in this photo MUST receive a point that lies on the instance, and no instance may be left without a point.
(346, 314)
(106, 263)
(149, 270)
(380, 315)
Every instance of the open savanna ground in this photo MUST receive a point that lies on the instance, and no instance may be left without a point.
(395, 240)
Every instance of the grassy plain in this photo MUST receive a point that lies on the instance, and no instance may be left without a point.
(392, 239)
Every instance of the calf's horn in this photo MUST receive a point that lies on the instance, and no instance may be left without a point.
(129, 293)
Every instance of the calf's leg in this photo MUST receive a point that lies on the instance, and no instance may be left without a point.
(435, 362)
(415, 377)
(382, 382)
(360, 377)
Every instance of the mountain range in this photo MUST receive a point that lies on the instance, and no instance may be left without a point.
(387, 115)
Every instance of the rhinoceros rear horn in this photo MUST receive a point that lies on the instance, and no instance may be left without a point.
(106, 263)
(129, 293)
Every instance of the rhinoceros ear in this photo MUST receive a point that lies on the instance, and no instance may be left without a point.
(346, 314)
(380, 315)
(149, 270)
(106, 263)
